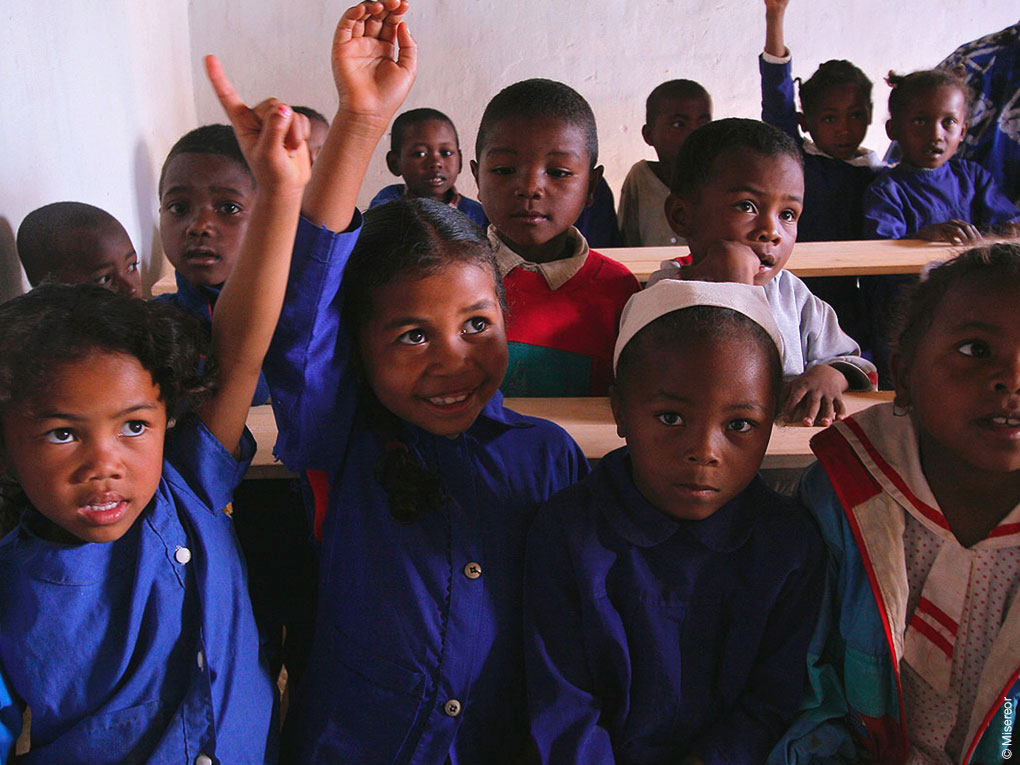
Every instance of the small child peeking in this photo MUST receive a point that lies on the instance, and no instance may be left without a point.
(425, 152)
(737, 195)
(930, 194)
(74, 243)
(125, 624)
(917, 657)
(536, 169)
(669, 596)
(672, 111)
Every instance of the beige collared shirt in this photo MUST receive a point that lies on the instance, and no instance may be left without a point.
(556, 273)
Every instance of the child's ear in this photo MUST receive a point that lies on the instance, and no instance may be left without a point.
(474, 170)
(593, 182)
(901, 379)
(678, 214)
(460, 161)
(393, 162)
(802, 121)
(646, 133)
(616, 404)
(890, 130)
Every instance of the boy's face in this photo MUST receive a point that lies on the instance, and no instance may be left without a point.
(429, 160)
(534, 179)
(88, 450)
(676, 117)
(838, 122)
(930, 126)
(749, 199)
(103, 256)
(696, 440)
(434, 350)
(203, 214)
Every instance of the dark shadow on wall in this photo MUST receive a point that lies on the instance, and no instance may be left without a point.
(11, 284)
(146, 204)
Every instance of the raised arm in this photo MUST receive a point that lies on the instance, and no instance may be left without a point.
(775, 11)
(374, 63)
(273, 139)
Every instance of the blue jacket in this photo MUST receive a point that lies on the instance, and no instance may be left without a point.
(468, 206)
(418, 651)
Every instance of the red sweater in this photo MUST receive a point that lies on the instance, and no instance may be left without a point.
(561, 341)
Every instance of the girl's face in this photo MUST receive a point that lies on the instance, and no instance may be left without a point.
(838, 122)
(88, 450)
(434, 349)
(930, 126)
(697, 440)
(963, 385)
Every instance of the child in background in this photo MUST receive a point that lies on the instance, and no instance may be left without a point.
(425, 152)
(669, 596)
(597, 222)
(930, 194)
(319, 127)
(72, 242)
(125, 624)
(673, 110)
(919, 503)
(737, 196)
(385, 371)
(536, 169)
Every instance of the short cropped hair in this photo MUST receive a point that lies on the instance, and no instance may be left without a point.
(830, 75)
(703, 146)
(540, 99)
(208, 139)
(48, 236)
(906, 87)
(311, 114)
(672, 89)
(414, 117)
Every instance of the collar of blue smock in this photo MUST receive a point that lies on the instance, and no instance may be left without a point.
(196, 298)
(643, 525)
(495, 412)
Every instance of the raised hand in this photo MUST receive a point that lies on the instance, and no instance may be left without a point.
(775, 11)
(273, 138)
(374, 59)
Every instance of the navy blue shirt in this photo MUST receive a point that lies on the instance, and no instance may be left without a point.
(199, 301)
(143, 649)
(650, 638)
(466, 205)
(418, 651)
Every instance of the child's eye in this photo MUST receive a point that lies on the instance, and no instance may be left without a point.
(670, 418)
(132, 266)
(741, 426)
(418, 154)
(476, 324)
(977, 349)
(746, 205)
(501, 170)
(230, 208)
(134, 428)
(59, 436)
(176, 208)
(412, 337)
(859, 115)
(949, 122)
(790, 216)
(559, 173)
(446, 153)
(103, 280)
(828, 119)
(678, 124)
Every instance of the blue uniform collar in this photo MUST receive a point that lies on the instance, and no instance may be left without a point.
(198, 300)
(494, 411)
(643, 525)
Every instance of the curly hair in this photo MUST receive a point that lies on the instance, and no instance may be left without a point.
(59, 323)
(218, 140)
(995, 264)
(417, 238)
(829, 75)
(413, 117)
(907, 87)
(673, 89)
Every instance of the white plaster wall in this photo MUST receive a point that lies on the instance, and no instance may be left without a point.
(94, 94)
(614, 52)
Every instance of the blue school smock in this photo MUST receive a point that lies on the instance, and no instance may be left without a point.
(651, 638)
(143, 649)
(199, 301)
(418, 651)
(466, 205)
(904, 199)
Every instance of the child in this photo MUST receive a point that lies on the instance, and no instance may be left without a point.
(205, 195)
(319, 127)
(72, 242)
(425, 151)
(669, 595)
(537, 150)
(672, 111)
(930, 195)
(385, 371)
(125, 624)
(919, 503)
(737, 198)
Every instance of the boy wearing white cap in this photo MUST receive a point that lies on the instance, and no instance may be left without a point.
(670, 596)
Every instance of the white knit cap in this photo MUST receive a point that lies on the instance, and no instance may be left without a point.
(671, 295)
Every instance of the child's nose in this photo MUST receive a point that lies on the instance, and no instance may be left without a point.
(702, 448)
(768, 229)
(100, 461)
(201, 222)
(529, 183)
(1007, 377)
(448, 354)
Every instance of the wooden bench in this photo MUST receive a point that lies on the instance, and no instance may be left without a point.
(589, 421)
